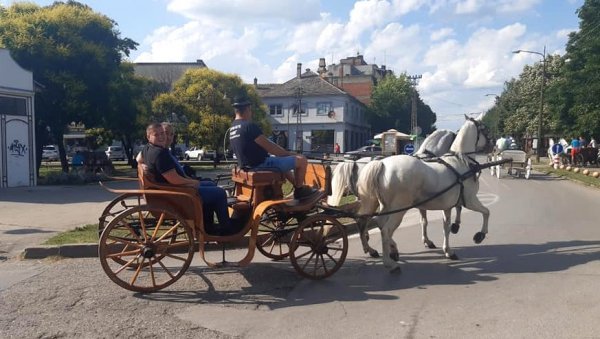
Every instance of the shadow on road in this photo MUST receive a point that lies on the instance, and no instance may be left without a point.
(276, 284)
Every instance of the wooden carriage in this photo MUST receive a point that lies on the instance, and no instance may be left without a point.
(149, 235)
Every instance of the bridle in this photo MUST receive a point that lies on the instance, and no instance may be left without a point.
(481, 130)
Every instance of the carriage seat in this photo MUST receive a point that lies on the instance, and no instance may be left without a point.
(256, 178)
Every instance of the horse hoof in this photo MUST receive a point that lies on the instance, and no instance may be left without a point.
(430, 244)
(478, 237)
(396, 270)
(395, 256)
(454, 228)
(452, 256)
(374, 254)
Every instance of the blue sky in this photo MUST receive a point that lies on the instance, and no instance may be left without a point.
(462, 48)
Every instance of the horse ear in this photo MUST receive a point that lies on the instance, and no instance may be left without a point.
(466, 117)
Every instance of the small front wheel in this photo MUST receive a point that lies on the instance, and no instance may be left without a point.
(319, 247)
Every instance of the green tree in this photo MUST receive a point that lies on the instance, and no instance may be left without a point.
(580, 106)
(73, 52)
(391, 104)
(203, 99)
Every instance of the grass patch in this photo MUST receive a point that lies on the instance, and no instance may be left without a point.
(584, 179)
(80, 235)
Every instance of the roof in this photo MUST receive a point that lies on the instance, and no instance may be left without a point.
(309, 82)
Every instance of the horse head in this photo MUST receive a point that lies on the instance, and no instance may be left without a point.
(472, 137)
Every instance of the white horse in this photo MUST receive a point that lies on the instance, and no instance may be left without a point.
(345, 176)
(397, 183)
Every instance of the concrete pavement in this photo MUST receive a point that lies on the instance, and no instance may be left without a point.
(31, 215)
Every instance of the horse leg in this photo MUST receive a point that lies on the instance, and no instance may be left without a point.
(456, 225)
(363, 227)
(428, 243)
(446, 247)
(477, 206)
(389, 247)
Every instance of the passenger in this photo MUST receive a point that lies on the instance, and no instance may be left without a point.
(593, 143)
(502, 144)
(252, 149)
(159, 163)
(186, 169)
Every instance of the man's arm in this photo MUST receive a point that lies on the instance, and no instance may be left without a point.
(175, 179)
(272, 147)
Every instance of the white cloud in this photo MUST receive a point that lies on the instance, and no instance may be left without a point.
(441, 34)
(508, 6)
(468, 6)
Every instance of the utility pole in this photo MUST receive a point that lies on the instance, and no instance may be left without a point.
(414, 79)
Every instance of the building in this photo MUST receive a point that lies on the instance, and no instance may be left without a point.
(166, 73)
(17, 124)
(354, 76)
(310, 114)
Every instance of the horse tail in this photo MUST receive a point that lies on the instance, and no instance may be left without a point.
(368, 187)
(340, 180)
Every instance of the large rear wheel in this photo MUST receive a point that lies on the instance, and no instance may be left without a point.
(319, 247)
(146, 249)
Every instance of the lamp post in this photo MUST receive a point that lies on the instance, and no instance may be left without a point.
(539, 132)
(299, 132)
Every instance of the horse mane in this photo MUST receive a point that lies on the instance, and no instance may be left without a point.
(437, 143)
(463, 143)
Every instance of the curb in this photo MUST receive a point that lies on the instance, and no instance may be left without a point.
(90, 250)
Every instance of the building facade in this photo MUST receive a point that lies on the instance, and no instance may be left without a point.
(17, 124)
(310, 114)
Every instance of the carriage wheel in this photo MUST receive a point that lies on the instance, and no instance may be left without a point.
(146, 249)
(116, 206)
(319, 247)
(528, 169)
(498, 171)
(279, 227)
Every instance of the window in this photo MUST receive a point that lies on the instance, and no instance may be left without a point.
(276, 109)
(13, 106)
(323, 108)
(303, 109)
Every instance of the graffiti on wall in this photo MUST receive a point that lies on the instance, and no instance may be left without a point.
(17, 149)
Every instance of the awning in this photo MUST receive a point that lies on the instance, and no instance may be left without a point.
(399, 135)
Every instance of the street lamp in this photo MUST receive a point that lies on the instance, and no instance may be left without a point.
(543, 55)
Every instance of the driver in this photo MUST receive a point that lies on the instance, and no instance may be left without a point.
(252, 149)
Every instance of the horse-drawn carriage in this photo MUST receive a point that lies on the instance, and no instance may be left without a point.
(519, 164)
(149, 235)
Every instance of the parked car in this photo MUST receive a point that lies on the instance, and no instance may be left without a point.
(198, 153)
(115, 153)
(365, 151)
(50, 152)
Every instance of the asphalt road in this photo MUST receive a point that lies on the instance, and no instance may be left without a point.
(535, 275)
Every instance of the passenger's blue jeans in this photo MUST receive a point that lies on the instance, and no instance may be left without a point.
(214, 200)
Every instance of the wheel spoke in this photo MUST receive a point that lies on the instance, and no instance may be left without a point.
(158, 224)
(152, 272)
(124, 241)
(137, 272)
(332, 258)
(324, 265)
(123, 254)
(308, 260)
(126, 265)
(142, 225)
(169, 231)
(175, 257)
(166, 269)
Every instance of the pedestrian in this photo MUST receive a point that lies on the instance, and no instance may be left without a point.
(582, 142)
(575, 149)
(336, 148)
(593, 143)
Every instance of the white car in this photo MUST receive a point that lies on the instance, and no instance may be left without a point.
(197, 153)
(115, 153)
(50, 152)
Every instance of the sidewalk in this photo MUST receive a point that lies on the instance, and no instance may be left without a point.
(31, 215)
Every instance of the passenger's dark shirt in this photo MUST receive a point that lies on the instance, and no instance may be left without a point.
(242, 136)
(159, 161)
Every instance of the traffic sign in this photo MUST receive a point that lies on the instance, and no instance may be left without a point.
(409, 148)
(557, 149)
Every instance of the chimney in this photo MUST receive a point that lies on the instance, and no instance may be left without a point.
(322, 68)
(299, 70)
